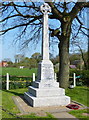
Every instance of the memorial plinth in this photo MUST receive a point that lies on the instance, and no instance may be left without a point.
(45, 90)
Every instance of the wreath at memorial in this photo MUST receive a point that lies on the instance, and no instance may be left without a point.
(73, 106)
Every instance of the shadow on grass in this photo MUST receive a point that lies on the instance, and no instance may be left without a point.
(21, 95)
(15, 93)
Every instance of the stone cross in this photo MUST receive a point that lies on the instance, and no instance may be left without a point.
(45, 9)
(45, 90)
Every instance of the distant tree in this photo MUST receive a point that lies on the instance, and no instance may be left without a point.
(74, 57)
(55, 60)
(10, 64)
(36, 55)
(27, 62)
(18, 58)
(81, 51)
(33, 63)
(83, 57)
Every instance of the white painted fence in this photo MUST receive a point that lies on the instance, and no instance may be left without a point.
(74, 78)
(33, 76)
(7, 81)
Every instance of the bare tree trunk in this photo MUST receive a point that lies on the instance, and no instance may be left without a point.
(64, 55)
(88, 38)
(88, 52)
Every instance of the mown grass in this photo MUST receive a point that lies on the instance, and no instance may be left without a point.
(18, 72)
(9, 105)
(79, 114)
(79, 94)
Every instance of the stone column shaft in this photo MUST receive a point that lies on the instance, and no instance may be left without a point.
(45, 40)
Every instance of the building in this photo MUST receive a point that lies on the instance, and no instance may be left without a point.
(3, 64)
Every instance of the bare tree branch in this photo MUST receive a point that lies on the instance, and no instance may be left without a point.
(6, 30)
(79, 20)
(57, 14)
(78, 6)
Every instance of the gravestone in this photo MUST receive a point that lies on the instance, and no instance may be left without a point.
(45, 90)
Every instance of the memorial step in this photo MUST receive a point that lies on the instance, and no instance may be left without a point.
(44, 85)
(46, 92)
(46, 101)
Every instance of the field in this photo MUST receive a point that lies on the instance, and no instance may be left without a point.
(79, 94)
(18, 72)
(19, 78)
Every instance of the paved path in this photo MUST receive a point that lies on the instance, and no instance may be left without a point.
(56, 111)
(63, 115)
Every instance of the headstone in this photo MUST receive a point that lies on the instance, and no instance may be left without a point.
(45, 90)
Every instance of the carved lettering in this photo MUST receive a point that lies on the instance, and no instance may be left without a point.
(47, 72)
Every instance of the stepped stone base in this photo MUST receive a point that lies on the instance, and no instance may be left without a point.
(49, 92)
(45, 84)
(46, 101)
(45, 90)
(49, 96)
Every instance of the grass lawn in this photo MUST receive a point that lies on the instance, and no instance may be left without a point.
(9, 104)
(80, 114)
(18, 72)
(79, 94)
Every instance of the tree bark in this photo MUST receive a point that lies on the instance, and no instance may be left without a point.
(88, 51)
(64, 55)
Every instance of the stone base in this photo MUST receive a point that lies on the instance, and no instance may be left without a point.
(49, 92)
(46, 101)
(51, 96)
(46, 84)
(45, 90)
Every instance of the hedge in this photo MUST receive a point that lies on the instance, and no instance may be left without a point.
(16, 82)
(16, 85)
